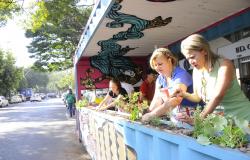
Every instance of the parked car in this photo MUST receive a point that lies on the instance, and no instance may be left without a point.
(35, 97)
(15, 99)
(3, 101)
(22, 97)
(42, 95)
(51, 95)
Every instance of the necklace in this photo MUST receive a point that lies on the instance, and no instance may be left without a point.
(203, 87)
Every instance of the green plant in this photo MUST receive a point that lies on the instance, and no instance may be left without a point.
(82, 103)
(135, 114)
(155, 121)
(232, 136)
(132, 105)
(219, 130)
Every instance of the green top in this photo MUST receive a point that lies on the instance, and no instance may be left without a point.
(234, 102)
(70, 98)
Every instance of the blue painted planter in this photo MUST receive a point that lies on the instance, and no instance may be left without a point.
(116, 137)
(153, 144)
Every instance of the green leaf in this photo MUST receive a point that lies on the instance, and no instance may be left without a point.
(55, 28)
(219, 123)
(82, 103)
(220, 130)
(243, 124)
(203, 140)
(155, 121)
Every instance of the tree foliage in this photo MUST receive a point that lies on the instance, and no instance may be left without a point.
(7, 9)
(47, 82)
(56, 29)
(66, 81)
(61, 80)
(36, 80)
(10, 75)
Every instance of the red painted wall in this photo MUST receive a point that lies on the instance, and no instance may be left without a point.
(87, 75)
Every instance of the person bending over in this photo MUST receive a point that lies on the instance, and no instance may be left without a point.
(116, 92)
(215, 81)
(170, 77)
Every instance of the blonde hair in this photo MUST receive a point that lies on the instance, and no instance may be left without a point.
(162, 52)
(197, 42)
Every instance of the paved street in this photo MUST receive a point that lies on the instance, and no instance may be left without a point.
(38, 131)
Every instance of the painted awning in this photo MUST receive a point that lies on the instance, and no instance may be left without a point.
(136, 27)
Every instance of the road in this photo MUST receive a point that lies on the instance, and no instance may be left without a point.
(38, 131)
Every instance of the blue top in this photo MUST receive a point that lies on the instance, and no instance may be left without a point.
(179, 75)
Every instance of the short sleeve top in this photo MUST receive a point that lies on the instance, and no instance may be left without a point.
(179, 76)
(122, 92)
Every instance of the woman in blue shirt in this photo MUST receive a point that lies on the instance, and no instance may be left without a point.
(170, 78)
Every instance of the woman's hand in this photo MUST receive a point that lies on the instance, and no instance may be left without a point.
(102, 108)
(177, 93)
(147, 117)
(185, 118)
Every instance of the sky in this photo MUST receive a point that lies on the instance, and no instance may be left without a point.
(12, 38)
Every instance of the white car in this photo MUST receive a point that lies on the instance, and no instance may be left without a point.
(22, 97)
(3, 101)
(15, 99)
(35, 97)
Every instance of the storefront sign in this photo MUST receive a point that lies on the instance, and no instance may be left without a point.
(236, 50)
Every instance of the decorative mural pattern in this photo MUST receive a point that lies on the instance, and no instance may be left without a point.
(111, 60)
(103, 139)
(89, 82)
(90, 77)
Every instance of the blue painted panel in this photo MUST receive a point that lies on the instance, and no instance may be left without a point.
(154, 144)
(168, 150)
(129, 136)
(199, 155)
(144, 146)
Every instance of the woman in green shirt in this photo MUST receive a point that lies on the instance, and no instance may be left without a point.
(214, 81)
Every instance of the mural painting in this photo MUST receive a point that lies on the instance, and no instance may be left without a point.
(110, 59)
(89, 77)
(104, 139)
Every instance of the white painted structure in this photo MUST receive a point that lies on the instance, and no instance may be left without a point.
(236, 50)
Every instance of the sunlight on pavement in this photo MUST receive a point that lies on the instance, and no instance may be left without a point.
(19, 126)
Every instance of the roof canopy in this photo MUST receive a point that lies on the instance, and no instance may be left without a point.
(136, 27)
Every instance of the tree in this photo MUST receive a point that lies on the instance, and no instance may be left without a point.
(36, 80)
(66, 81)
(47, 82)
(23, 83)
(59, 81)
(7, 9)
(56, 29)
(10, 75)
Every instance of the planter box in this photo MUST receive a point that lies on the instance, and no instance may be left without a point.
(108, 137)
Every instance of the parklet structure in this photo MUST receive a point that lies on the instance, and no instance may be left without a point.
(117, 42)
